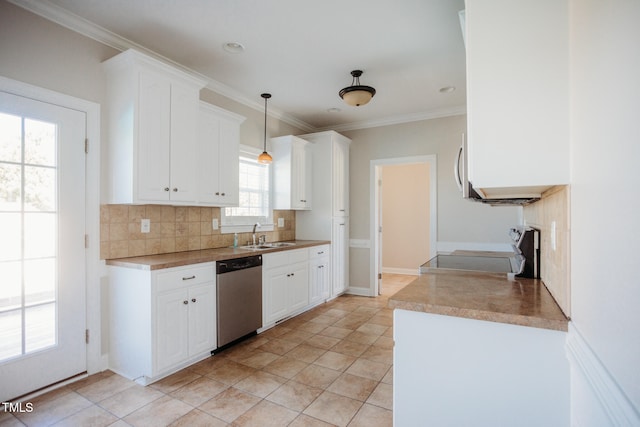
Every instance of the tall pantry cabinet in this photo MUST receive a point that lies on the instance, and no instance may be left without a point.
(329, 217)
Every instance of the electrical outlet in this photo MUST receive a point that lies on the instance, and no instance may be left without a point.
(214, 223)
(280, 222)
(145, 225)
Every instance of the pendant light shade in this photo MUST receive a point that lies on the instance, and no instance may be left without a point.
(265, 158)
(357, 94)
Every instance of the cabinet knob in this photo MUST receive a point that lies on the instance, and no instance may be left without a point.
(185, 302)
(166, 188)
(175, 190)
(222, 194)
(217, 193)
(193, 300)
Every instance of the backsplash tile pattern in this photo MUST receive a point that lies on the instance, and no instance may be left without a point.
(555, 263)
(173, 229)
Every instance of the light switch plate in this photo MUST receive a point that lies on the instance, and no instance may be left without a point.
(145, 225)
(280, 222)
(214, 223)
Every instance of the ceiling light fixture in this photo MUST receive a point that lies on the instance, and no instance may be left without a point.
(265, 158)
(233, 47)
(357, 94)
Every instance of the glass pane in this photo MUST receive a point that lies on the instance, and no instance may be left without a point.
(40, 143)
(10, 334)
(39, 189)
(39, 235)
(40, 280)
(10, 188)
(11, 288)
(10, 138)
(10, 230)
(40, 327)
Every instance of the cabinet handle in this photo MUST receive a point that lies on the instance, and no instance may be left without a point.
(217, 193)
(222, 194)
(189, 278)
(193, 300)
(293, 274)
(166, 188)
(185, 302)
(341, 210)
(175, 190)
(320, 253)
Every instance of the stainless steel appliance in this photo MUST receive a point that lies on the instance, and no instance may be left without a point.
(239, 298)
(524, 261)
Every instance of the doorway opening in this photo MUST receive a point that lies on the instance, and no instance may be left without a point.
(403, 215)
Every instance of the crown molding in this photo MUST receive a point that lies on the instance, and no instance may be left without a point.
(399, 119)
(73, 22)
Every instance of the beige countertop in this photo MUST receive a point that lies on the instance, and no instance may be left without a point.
(482, 296)
(177, 259)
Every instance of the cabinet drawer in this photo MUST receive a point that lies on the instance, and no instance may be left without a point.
(279, 259)
(185, 276)
(319, 251)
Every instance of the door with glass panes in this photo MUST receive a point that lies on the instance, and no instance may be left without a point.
(42, 255)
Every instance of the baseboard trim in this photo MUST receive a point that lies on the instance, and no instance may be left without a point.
(363, 292)
(406, 271)
(608, 393)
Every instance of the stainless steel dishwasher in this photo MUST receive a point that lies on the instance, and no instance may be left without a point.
(239, 298)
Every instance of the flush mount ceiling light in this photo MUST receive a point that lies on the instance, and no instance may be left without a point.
(265, 158)
(357, 94)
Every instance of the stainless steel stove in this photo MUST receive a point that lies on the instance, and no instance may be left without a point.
(524, 261)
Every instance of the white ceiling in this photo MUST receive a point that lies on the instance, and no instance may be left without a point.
(301, 51)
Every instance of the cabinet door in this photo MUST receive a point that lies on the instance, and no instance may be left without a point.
(319, 280)
(184, 138)
(300, 176)
(340, 254)
(202, 315)
(208, 157)
(275, 292)
(228, 163)
(154, 138)
(340, 179)
(298, 286)
(172, 324)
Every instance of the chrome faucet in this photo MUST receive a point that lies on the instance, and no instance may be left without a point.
(253, 234)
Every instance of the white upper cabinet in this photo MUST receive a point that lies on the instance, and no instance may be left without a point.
(517, 96)
(218, 156)
(292, 173)
(152, 111)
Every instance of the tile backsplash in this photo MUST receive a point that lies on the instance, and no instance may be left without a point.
(173, 229)
(555, 262)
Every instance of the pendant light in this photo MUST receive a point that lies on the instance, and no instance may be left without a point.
(265, 158)
(357, 94)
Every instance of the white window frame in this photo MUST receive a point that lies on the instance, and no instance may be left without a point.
(243, 224)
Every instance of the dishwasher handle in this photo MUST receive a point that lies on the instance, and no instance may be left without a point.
(236, 264)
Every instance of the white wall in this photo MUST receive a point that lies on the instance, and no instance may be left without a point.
(605, 151)
(460, 222)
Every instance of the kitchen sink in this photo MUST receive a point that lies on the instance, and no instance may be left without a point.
(267, 245)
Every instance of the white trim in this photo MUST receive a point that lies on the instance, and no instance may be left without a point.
(399, 119)
(94, 266)
(405, 271)
(363, 292)
(446, 247)
(360, 243)
(608, 393)
(374, 176)
(89, 29)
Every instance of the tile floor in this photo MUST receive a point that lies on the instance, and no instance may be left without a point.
(329, 366)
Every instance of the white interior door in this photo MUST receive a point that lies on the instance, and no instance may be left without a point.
(42, 255)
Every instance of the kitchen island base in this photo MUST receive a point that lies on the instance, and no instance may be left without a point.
(453, 371)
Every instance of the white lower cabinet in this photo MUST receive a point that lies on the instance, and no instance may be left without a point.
(162, 320)
(285, 284)
(319, 274)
